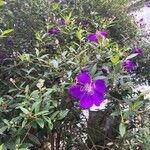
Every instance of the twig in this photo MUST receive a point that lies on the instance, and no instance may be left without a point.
(92, 143)
(25, 135)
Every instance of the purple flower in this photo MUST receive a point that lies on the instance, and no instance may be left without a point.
(138, 50)
(147, 4)
(85, 22)
(9, 42)
(94, 37)
(104, 71)
(88, 91)
(54, 31)
(128, 65)
(82, 22)
(60, 21)
(102, 34)
(141, 20)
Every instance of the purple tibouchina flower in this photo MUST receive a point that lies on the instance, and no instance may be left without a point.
(141, 20)
(88, 91)
(129, 65)
(138, 50)
(102, 34)
(60, 21)
(85, 22)
(104, 71)
(82, 22)
(147, 4)
(54, 31)
(9, 42)
(94, 37)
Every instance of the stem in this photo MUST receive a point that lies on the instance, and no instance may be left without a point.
(26, 135)
(94, 146)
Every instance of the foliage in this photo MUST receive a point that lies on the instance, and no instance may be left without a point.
(36, 73)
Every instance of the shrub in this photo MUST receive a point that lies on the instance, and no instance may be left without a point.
(36, 106)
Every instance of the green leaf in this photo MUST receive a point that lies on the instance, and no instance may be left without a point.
(64, 54)
(40, 122)
(79, 35)
(37, 52)
(25, 57)
(25, 146)
(35, 94)
(4, 147)
(6, 121)
(24, 110)
(117, 68)
(48, 92)
(63, 114)
(24, 123)
(38, 36)
(45, 112)
(2, 2)
(20, 96)
(8, 31)
(34, 139)
(93, 70)
(3, 129)
(1, 100)
(54, 115)
(18, 140)
(136, 105)
(50, 124)
(55, 63)
(55, 5)
(55, 103)
(36, 106)
(115, 59)
(116, 113)
(131, 56)
(122, 129)
(27, 89)
(1, 147)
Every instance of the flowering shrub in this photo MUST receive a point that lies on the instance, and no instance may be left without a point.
(72, 58)
(89, 92)
(97, 37)
(129, 65)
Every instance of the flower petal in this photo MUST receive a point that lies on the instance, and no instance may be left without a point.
(100, 86)
(129, 65)
(84, 78)
(92, 37)
(54, 31)
(138, 50)
(102, 34)
(98, 98)
(104, 71)
(75, 91)
(86, 101)
(147, 4)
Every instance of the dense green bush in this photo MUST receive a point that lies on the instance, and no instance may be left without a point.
(40, 60)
